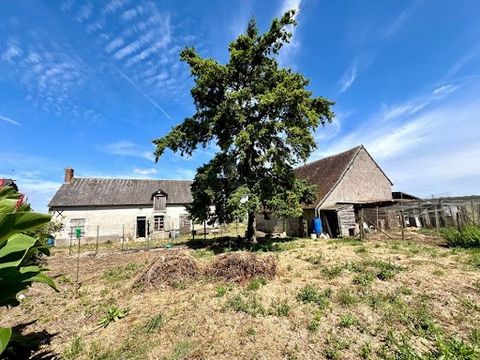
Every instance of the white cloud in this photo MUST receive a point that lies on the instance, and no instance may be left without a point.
(127, 148)
(4, 118)
(420, 145)
(149, 171)
(348, 77)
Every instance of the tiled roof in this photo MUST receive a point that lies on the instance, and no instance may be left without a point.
(118, 192)
(326, 173)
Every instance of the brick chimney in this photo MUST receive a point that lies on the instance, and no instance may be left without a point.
(68, 175)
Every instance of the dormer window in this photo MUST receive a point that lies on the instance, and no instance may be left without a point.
(159, 202)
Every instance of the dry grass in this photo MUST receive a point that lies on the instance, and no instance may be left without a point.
(328, 299)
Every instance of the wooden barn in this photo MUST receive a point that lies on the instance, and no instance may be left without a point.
(344, 182)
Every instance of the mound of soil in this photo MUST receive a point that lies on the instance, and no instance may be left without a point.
(242, 266)
(169, 270)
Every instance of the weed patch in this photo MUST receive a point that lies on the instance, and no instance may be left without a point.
(310, 294)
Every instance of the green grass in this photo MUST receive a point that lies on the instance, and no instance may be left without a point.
(348, 320)
(248, 304)
(280, 308)
(310, 294)
(346, 298)
(121, 273)
(256, 283)
(154, 324)
(75, 349)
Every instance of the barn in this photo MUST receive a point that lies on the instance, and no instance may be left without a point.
(130, 209)
(344, 182)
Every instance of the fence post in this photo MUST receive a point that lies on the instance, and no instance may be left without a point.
(123, 236)
(377, 217)
(437, 219)
(70, 245)
(402, 223)
(96, 242)
(78, 269)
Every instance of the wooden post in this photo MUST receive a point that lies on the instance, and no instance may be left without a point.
(402, 223)
(78, 269)
(96, 241)
(437, 219)
(123, 236)
(458, 221)
(362, 234)
(377, 217)
(70, 244)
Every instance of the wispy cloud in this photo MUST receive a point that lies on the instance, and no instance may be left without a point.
(360, 63)
(4, 118)
(396, 24)
(139, 39)
(51, 75)
(127, 148)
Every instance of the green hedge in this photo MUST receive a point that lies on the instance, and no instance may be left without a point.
(469, 237)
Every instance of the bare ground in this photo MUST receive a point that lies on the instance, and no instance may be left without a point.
(330, 299)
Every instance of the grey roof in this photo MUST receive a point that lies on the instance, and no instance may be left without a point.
(117, 192)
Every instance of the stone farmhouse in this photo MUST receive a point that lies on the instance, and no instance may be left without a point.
(344, 183)
(115, 209)
(131, 209)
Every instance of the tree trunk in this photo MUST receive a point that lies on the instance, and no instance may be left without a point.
(252, 228)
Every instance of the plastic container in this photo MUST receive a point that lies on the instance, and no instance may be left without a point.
(317, 226)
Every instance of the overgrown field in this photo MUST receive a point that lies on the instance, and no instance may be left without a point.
(337, 299)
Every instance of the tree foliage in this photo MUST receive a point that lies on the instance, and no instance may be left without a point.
(17, 249)
(261, 117)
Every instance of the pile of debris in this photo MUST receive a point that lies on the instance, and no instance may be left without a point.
(174, 269)
(242, 266)
(170, 270)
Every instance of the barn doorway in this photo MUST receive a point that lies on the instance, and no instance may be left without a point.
(141, 226)
(330, 222)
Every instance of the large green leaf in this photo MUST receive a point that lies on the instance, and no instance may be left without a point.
(20, 221)
(5, 335)
(16, 249)
(13, 280)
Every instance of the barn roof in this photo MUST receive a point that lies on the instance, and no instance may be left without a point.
(326, 173)
(119, 192)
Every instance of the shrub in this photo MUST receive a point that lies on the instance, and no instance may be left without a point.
(468, 237)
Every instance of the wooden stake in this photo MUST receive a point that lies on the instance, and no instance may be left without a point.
(96, 242)
(123, 235)
(78, 269)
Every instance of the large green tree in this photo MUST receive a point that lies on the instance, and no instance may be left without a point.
(261, 118)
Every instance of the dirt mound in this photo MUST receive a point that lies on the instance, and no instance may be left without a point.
(242, 266)
(170, 269)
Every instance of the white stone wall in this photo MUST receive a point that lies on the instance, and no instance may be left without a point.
(363, 181)
(113, 222)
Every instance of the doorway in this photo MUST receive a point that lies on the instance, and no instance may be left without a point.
(330, 222)
(141, 226)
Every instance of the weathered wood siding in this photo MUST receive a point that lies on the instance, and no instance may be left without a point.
(363, 181)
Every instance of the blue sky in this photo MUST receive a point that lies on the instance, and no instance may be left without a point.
(88, 84)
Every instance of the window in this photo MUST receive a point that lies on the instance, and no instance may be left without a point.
(159, 223)
(77, 223)
(159, 202)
